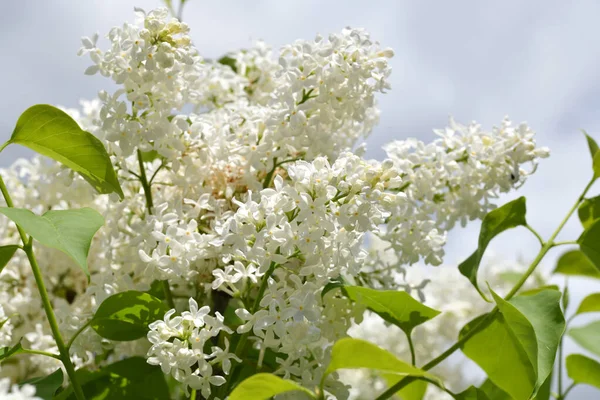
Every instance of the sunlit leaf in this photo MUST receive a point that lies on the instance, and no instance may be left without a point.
(350, 353)
(125, 316)
(70, 231)
(395, 306)
(264, 386)
(53, 133)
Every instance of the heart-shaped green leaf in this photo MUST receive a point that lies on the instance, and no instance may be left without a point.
(125, 316)
(510, 215)
(53, 133)
(70, 231)
(264, 386)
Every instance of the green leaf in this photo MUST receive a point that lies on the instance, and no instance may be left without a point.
(396, 307)
(413, 391)
(590, 303)
(583, 370)
(129, 379)
(149, 156)
(587, 336)
(596, 165)
(508, 216)
(496, 350)
(539, 289)
(589, 211)
(576, 263)
(6, 253)
(7, 351)
(157, 289)
(517, 349)
(331, 285)
(70, 231)
(229, 61)
(545, 390)
(46, 386)
(589, 243)
(472, 393)
(564, 301)
(350, 353)
(264, 386)
(53, 133)
(125, 316)
(593, 146)
(493, 392)
(543, 311)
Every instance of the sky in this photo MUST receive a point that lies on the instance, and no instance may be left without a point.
(535, 61)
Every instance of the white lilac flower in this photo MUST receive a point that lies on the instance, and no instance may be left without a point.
(16, 392)
(251, 174)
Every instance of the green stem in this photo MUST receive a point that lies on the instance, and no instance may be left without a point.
(269, 177)
(41, 353)
(62, 349)
(83, 328)
(546, 246)
(566, 242)
(411, 346)
(150, 205)
(536, 234)
(193, 396)
(564, 395)
(168, 294)
(39, 280)
(145, 184)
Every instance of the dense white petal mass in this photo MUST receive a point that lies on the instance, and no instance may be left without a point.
(258, 201)
(16, 392)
